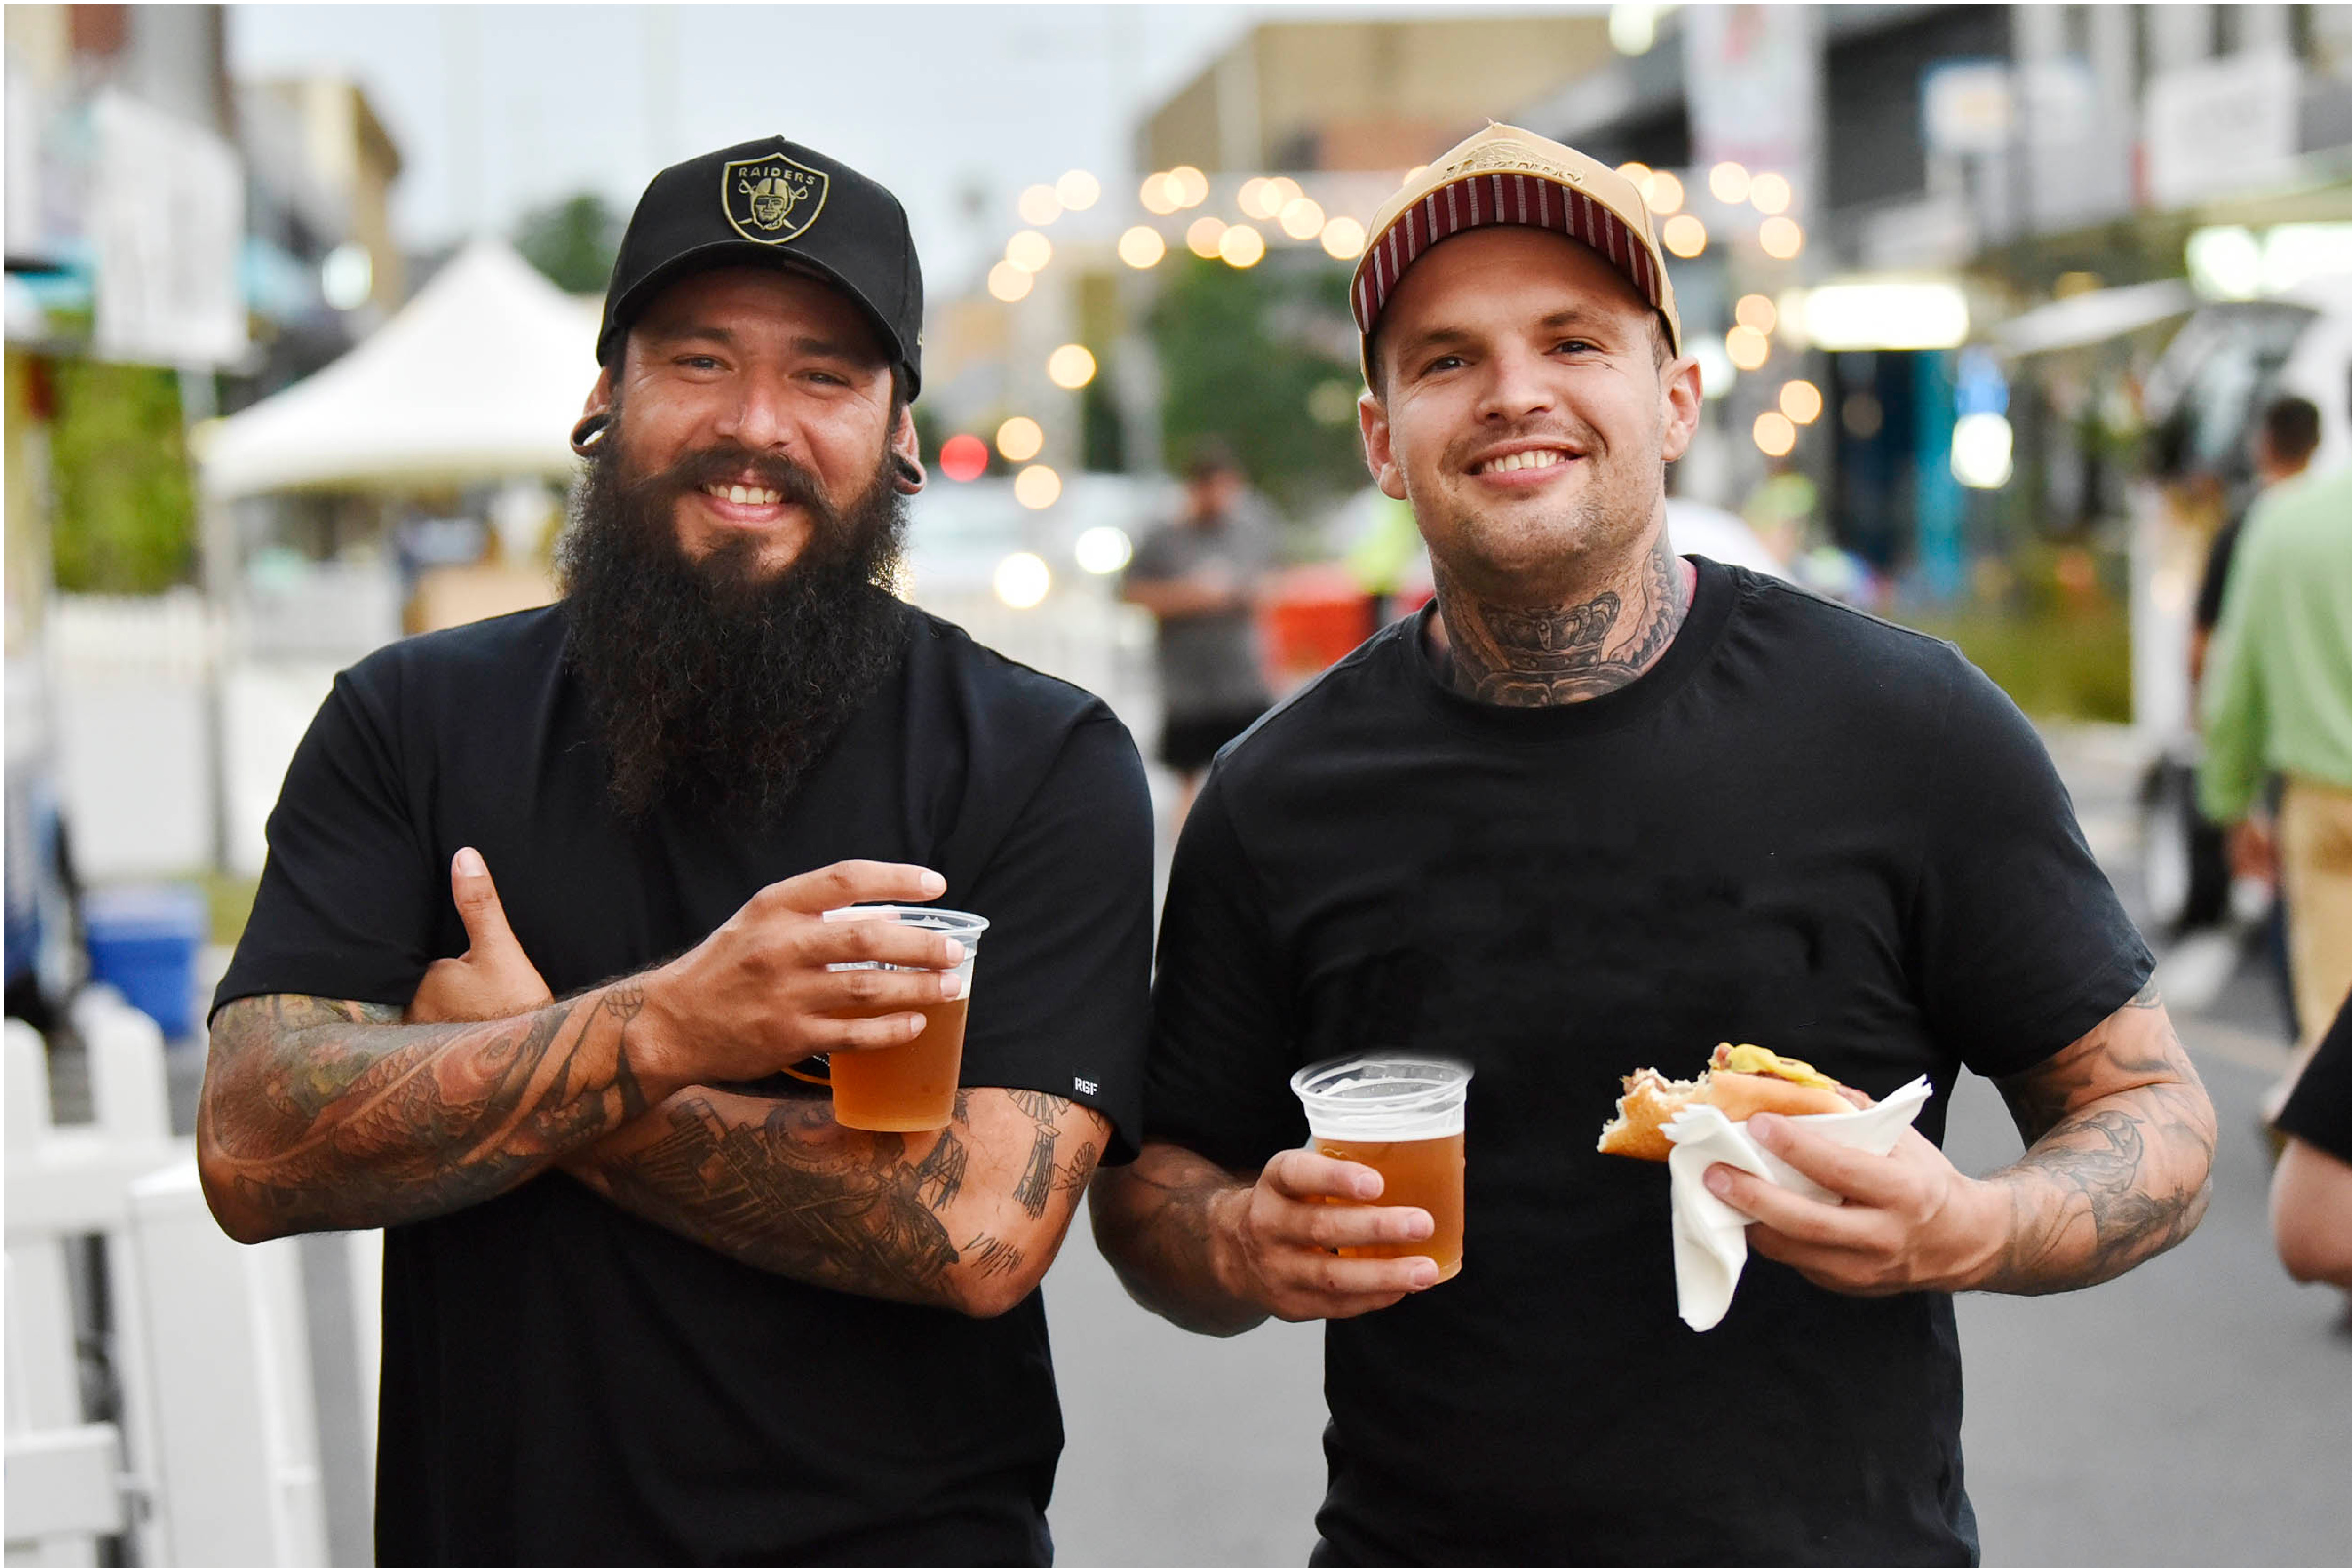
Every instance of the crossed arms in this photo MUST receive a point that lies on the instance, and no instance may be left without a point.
(2120, 1137)
(321, 1114)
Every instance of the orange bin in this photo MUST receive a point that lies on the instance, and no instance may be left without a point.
(1309, 618)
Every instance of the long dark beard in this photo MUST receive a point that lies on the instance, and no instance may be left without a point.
(707, 683)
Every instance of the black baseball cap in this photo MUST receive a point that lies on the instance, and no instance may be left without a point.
(773, 203)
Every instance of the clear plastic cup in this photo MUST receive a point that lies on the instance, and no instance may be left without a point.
(910, 1087)
(1402, 1115)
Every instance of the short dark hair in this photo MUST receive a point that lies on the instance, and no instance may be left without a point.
(2291, 428)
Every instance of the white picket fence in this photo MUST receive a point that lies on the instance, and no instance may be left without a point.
(215, 1459)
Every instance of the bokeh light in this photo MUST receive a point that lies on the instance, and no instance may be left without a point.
(1756, 310)
(1781, 238)
(1770, 194)
(1665, 194)
(1684, 235)
(1256, 197)
(963, 458)
(1040, 205)
(1029, 250)
(1202, 237)
(1159, 195)
(1019, 438)
(1285, 191)
(1981, 449)
(1141, 246)
(1009, 283)
(1633, 29)
(1801, 401)
(1727, 182)
(1103, 549)
(1775, 437)
(1070, 366)
(1746, 347)
(1077, 190)
(1190, 185)
(1036, 486)
(1302, 217)
(1343, 239)
(1022, 579)
(1240, 245)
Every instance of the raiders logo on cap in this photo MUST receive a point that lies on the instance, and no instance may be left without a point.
(771, 199)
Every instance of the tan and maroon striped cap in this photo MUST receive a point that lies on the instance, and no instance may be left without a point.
(1506, 175)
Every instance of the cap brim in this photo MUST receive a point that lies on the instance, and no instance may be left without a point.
(624, 311)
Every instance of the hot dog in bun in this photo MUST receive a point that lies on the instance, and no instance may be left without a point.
(1739, 1081)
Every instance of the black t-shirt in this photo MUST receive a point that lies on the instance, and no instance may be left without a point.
(1803, 828)
(2319, 1111)
(565, 1383)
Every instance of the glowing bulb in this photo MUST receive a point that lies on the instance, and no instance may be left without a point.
(1684, 235)
(1070, 366)
(1240, 245)
(1801, 401)
(1302, 217)
(1009, 283)
(1203, 236)
(1159, 195)
(1781, 238)
(1103, 549)
(1343, 239)
(1775, 437)
(1728, 184)
(1191, 186)
(1019, 438)
(963, 458)
(1036, 486)
(1077, 190)
(1665, 194)
(1770, 194)
(1756, 310)
(1141, 246)
(1040, 205)
(1022, 580)
(1746, 347)
(1029, 250)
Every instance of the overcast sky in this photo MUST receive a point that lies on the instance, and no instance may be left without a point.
(498, 108)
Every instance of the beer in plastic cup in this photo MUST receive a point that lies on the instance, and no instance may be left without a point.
(1403, 1115)
(909, 1087)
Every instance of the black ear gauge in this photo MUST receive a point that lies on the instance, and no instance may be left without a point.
(906, 474)
(588, 432)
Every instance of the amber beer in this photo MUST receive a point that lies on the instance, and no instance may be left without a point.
(910, 1087)
(1404, 1117)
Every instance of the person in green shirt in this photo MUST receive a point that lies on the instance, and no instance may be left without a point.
(2278, 699)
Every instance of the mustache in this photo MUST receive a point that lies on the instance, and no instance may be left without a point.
(728, 462)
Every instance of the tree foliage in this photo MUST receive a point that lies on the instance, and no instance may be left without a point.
(574, 241)
(126, 509)
(1242, 353)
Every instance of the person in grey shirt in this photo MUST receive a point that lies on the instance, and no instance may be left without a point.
(1199, 576)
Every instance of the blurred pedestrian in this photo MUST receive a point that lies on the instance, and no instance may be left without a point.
(2283, 444)
(645, 1300)
(2278, 701)
(1603, 808)
(2311, 1191)
(1198, 573)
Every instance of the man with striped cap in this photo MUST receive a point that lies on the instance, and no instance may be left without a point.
(1598, 809)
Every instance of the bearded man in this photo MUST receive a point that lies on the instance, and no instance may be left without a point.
(1602, 808)
(645, 1301)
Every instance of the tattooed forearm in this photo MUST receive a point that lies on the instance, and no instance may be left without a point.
(2121, 1156)
(1521, 658)
(779, 1184)
(319, 1114)
(1155, 1221)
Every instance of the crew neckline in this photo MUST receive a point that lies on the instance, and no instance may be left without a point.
(1710, 612)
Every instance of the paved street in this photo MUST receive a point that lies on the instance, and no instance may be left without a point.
(2194, 1413)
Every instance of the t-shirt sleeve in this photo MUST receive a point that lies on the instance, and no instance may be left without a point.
(345, 908)
(2020, 944)
(1222, 1041)
(1061, 990)
(2319, 1111)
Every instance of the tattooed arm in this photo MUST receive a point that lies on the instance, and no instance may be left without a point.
(326, 1115)
(2118, 1169)
(967, 1219)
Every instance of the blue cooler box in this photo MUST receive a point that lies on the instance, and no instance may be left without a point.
(143, 943)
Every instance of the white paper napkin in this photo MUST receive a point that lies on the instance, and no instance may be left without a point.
(1710, 1236)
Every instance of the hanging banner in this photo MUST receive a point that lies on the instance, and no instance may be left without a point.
(1752, 82)
(167, 226)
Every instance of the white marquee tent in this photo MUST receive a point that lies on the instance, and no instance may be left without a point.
(479, 378)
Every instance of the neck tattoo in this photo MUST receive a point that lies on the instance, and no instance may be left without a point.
(1539, 657)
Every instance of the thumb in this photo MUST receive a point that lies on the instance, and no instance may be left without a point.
(478, 905)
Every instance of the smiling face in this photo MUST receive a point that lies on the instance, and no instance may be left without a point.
(1522, 410)
(765, 390)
